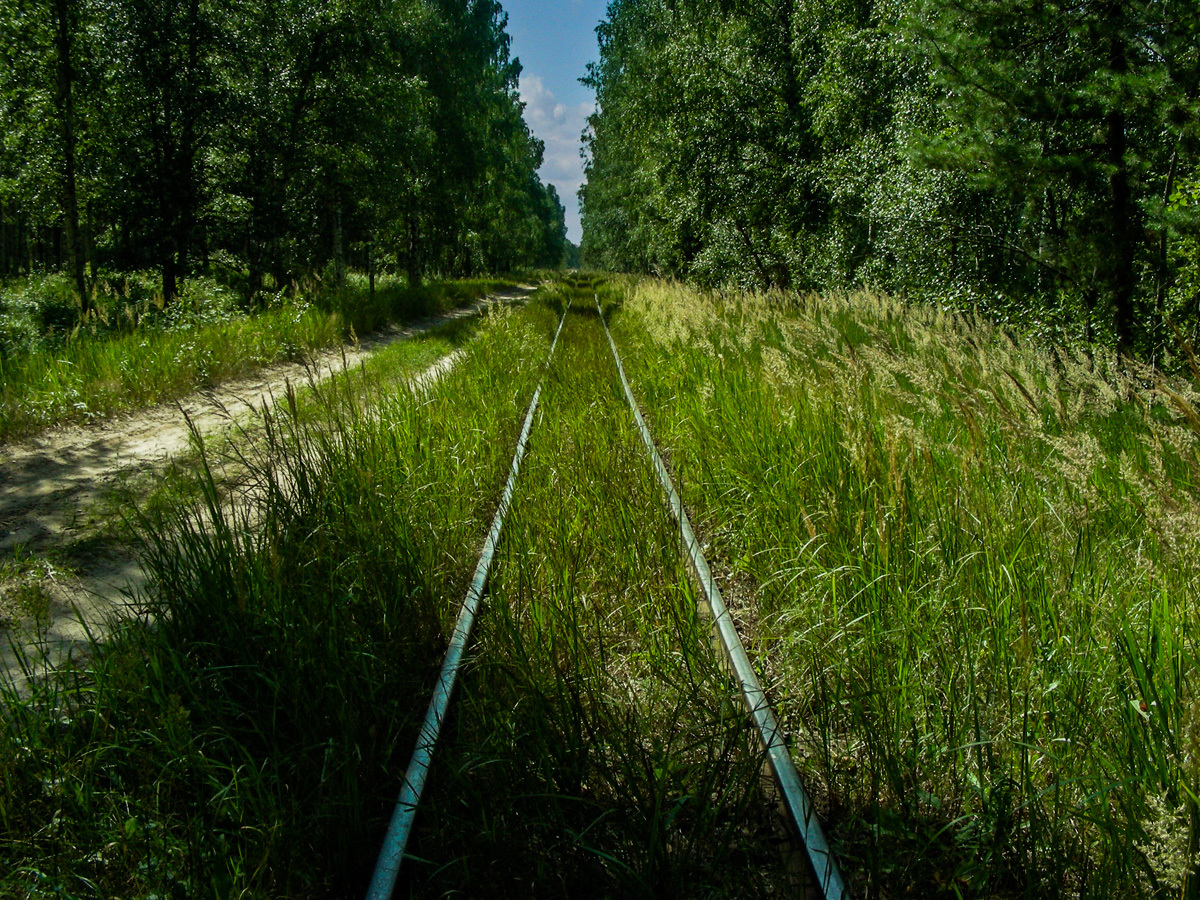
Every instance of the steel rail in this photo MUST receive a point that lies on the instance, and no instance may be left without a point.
(387, 866)
(795, 798)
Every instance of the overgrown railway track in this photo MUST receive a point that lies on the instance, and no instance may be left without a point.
(823, 877)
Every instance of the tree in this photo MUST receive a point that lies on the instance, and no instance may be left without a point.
(288, 135)
(39, 94)
(1024, 156)
(66, 17)
(1071, 112)
(163, 100)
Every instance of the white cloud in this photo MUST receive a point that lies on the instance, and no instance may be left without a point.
(559, 127)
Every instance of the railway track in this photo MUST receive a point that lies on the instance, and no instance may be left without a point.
(822, 877)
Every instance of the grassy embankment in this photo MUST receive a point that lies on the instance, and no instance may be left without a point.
(132, 353)
(243, 738)
(975, 570)
(28, 577)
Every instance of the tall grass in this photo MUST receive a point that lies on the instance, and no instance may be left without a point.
(240, 738)
(599, 748)
(976, 568)
(131, 354)
(973, 568)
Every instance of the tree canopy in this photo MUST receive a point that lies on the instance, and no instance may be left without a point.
(1035, 158)
(285, 136)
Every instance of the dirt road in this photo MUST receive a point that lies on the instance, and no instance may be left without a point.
(51, 491)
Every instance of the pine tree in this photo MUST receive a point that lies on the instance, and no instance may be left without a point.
(1058, 107)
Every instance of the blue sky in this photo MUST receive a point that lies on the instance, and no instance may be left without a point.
(555, 39)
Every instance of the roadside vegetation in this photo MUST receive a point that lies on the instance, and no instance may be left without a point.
(244, 734)
(131, 350)
(1038, 162)
(45, 578)
(241, 735)
(276, 141)
(974, 567)
(967, 569)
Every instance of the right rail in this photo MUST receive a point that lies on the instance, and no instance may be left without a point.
(804, 817)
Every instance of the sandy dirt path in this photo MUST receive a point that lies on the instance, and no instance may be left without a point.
(51, 489)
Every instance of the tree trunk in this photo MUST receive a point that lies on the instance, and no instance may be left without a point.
(1164, 271)
(168, 278)
(414, 255)
(185, 175)
(339, 257)
(66, 117)
(1124, 228)
(164, 158)
(89, 244)
(184, 225)
(255, 229)
(371, 264)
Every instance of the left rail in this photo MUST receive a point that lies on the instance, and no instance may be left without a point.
(387, 866)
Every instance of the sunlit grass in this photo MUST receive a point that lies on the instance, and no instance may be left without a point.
(973, 569)
(241, 737)
(135, 359)
(599, 748)
(977, 578)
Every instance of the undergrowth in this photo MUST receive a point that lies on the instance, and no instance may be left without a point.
(599, 748)
(974, 570)
(239, 737)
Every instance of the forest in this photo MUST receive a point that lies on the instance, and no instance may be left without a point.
(266, 142)
(1033, 160)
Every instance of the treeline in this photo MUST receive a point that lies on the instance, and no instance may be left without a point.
(280, 138)
(1037, 159)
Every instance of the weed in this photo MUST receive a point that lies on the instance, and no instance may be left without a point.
(599, 746)
(24, 591)
(132, 352)
(975, 562)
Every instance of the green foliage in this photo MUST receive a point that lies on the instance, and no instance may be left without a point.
(133, 350)
(963, 564)
(599, 749)
(286, 137)
(1012, 156)
(971, 563)
(240, 738)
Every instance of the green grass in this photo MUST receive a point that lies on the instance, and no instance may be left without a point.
(132, 354)
(154, 490)
(966, 568)
(241, 737)
(246, 735)
(976, 567)
(598, 747)
(24, 598)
